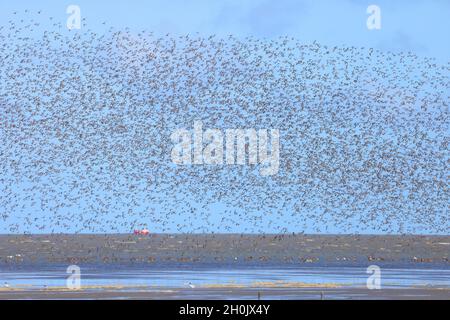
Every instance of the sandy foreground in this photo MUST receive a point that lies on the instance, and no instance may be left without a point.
(404, 257)
(303, 293)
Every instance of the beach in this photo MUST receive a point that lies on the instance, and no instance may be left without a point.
(224, 266)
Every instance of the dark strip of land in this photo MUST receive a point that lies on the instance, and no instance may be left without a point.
(225, 249)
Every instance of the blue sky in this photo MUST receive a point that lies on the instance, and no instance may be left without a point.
(419, 26)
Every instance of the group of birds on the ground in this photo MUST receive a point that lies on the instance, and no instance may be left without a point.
(86, 119)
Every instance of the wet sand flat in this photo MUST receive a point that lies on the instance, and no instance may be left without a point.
(237, 294)
(165, 266)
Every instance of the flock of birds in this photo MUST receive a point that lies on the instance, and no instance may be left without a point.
(86, 119)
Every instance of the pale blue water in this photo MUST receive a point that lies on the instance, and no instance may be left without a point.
(180, 278)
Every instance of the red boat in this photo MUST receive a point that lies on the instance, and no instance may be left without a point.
(143, 232)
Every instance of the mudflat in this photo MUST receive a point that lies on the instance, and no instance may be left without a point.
(224, 266)
(287, 249)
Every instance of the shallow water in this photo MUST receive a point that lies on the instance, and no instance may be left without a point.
(245, 276)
